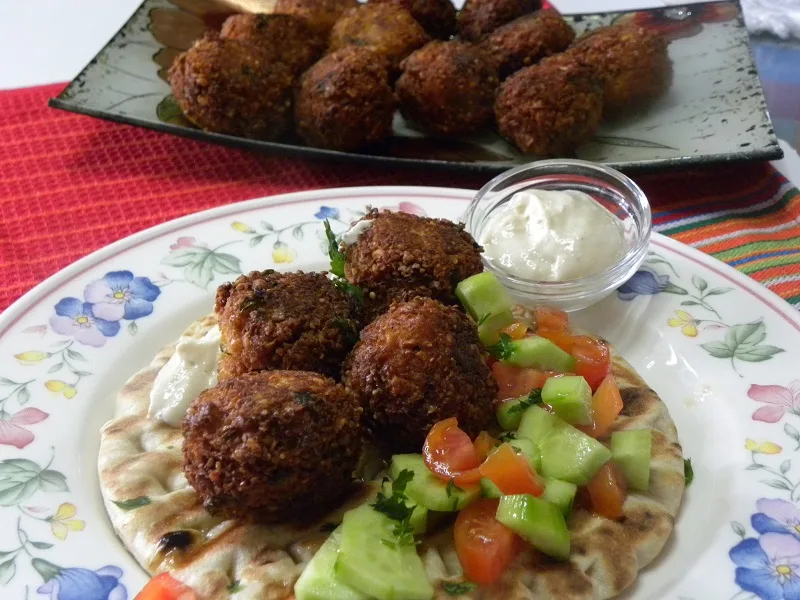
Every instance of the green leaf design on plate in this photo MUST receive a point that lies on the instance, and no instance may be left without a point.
(23, 396)
(74, 355)
(738, 528)
(743, 342)
(53, 481)
(779, 485)
(21, 478)
(46, 569)
(717, 291)
(133, 328)
(297, 232)
(41, 545)
(791, 432)
(717, 349)
(7, 571)
(132, 503)
(200, 265)
(699, 283)
(613, 140)
(55, 367)
(785, 466)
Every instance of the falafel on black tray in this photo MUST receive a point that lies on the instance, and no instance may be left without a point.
(334, 73)
(259, 444)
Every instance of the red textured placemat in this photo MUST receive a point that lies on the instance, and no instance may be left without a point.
(71, 184)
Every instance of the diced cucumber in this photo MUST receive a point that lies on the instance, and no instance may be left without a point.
(490, 327)
(319, 580)
(560, 493)
(537, 521)
(372, 561)
(483, 296)
(529, 450)
(631, 450)
(571, 455)
(571, 398)
(540, 353)
(509, 412)
(536, 424)
(419, 516)
(489, 489)
(428, 490)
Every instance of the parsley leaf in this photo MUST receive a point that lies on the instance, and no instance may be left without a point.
(502, 350)
(507, 436)
(336, 255)
(349, 288)
(533, 398)
(337, 266)
(458, 588)
(688, 471)
(395, 508)
(452, 487)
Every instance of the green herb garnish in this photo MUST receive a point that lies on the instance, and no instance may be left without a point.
(335, 254)
(452, 487)
(532, 399)
(337, 266)
(395, 508)
(507, 436)
(688, 471)
(502, 350)
(458, 588)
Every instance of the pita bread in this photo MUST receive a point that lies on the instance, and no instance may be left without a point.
(161, 520)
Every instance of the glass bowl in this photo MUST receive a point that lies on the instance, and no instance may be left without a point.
(613, 190)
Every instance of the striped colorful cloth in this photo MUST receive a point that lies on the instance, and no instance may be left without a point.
(71, 184)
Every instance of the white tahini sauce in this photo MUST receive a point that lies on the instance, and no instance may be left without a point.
(548, 235)
(192, 369)
(351, 236)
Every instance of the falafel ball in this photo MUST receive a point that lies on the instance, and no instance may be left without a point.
(480, 17)
(286, 38)
(632, 62)
(528, 39)
(448, 87)
(402, 256)
(295, 321)
(437, 17)
(228, 86)
(417, 364)
(550, 108)
(272, 446)
(385, 29)
(319, 14)
(344, 101)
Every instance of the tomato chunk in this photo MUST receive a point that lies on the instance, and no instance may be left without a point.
(485, 547)
(513, 382)
(511, 473)
(606, 406)
(450, 454)
(165, 587)
(516, 331)
(550, 318)
(607, 492)
(593, 359)
(561, 338)
(484, 444)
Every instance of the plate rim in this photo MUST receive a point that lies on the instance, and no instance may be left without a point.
(772, 151)
(17, 309)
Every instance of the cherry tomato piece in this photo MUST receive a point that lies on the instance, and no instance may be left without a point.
(607, 492)
(513, 382)
(606, 406)
(593, 359)
(551, 318)
(450, 454)
(165, 587)
(511, 472)
(485, 547)
(484, 444)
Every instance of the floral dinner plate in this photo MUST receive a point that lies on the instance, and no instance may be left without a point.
(720, 350)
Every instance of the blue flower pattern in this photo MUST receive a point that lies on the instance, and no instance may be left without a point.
(83, 584)
(117, 296)
(645, 282)
(769, 566)
(326, 212)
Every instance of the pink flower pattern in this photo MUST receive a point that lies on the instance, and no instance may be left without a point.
(779, 401)
(11, 431)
